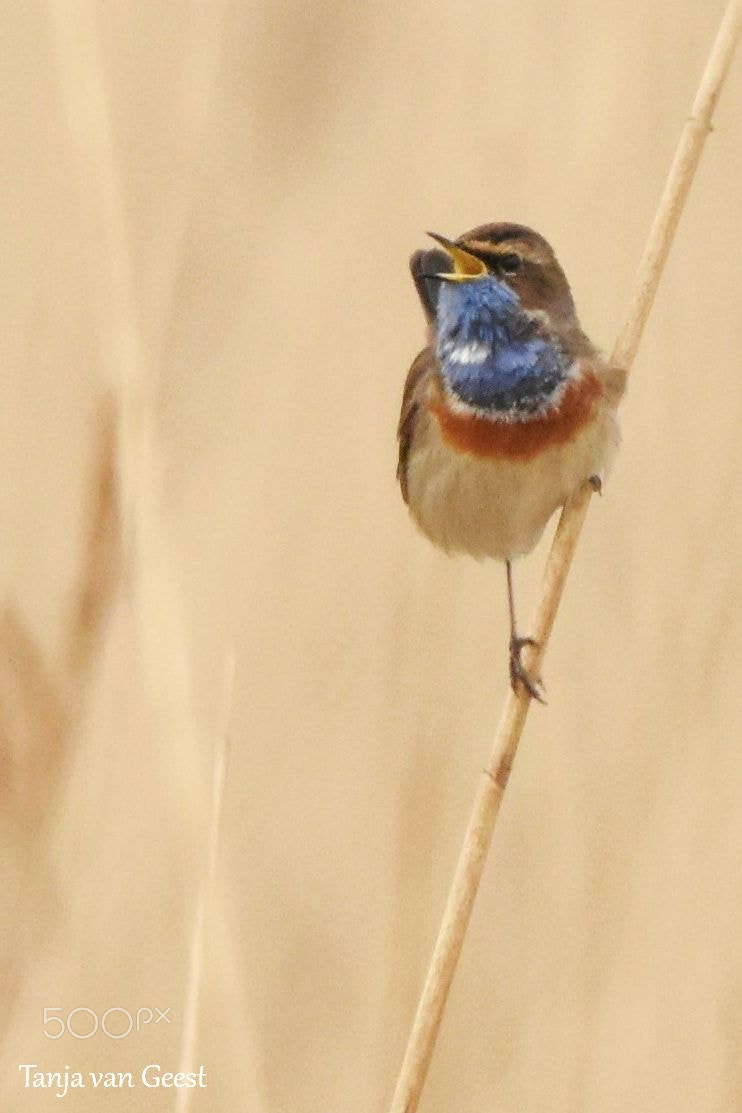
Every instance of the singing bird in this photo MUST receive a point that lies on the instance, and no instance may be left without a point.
(509, 409)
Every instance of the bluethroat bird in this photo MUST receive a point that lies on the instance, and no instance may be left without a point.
(509, 409)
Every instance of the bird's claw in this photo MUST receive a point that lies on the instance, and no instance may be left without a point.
(519, 676)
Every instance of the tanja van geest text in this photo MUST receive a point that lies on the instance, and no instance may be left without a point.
(152, 1076)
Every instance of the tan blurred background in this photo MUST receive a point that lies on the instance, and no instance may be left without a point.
(207, 213)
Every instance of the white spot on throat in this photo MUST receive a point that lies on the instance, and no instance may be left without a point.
(470, 353)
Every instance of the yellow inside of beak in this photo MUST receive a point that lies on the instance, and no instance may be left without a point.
(465, 266)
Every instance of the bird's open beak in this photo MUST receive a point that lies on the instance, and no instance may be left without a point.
(465, 266)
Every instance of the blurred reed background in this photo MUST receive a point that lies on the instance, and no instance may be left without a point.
(207, 317)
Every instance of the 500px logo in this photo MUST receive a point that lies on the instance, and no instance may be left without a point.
(116, 1022)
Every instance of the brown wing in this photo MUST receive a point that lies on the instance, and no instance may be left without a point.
(422, 370)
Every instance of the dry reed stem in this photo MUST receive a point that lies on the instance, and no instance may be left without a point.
(152, 597)
(40, 699)
(205, 33)
(94, 151)
(41, 702)
(33, 718)
(195, 965)
(495, 777)
(150, 580)
(100, 568)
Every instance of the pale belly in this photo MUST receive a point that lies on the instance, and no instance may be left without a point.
(498, 508)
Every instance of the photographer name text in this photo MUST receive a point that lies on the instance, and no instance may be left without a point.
(152, 1077)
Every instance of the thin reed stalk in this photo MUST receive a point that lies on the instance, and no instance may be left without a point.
(149, 573)
(189, 1031)
(495, 777)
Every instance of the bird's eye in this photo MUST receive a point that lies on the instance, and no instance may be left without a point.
(510, 263)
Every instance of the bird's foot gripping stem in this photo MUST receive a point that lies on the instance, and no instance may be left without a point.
(519, 676)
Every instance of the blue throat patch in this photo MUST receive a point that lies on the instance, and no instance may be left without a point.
(492, 354)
